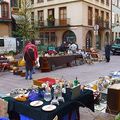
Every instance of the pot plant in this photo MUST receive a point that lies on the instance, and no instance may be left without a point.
(50, 20)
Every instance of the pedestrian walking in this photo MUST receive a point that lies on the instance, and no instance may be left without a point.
(107, 52)
(29, 57)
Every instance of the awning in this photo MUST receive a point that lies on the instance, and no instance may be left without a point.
(17, 18)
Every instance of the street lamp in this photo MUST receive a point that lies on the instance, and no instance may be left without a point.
(96, 28)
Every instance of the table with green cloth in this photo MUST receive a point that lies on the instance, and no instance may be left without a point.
(85, 99)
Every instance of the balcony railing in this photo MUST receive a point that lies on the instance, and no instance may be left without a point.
(54, 23)
(102, 24)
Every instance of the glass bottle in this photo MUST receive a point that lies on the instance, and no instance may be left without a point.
(47, 94)
(76, 82)
(55, 100)
(60, 97)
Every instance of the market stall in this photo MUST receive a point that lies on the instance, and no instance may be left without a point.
(36, 113)
(50, 63)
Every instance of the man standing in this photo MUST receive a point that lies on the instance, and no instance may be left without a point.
(107, 52)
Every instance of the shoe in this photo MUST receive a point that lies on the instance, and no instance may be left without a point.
(33, 72)
(26, 78)
(30, 78)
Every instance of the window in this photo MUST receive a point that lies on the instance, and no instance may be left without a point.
(63, 16)
(51, 12)
(20, 1)
(5, 10)
(107, 16)
(1, 42)
(90, 15)
(107, 2)
(32, 17)
(32, 1)
(14, 3)
(69, 36)
(96, 16)
(114, 2)
(41, 18)
(39, 1)
(119, 4)
(102, 15)
(102, 1)
(53, 37)
(40, 15)
(48, 38)
(63, 13)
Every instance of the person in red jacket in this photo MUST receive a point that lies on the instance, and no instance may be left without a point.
(29, 45)
(29, 62)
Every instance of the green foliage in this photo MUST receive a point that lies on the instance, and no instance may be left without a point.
(51, 18)
(12, 52)
(42, 48)
(25, 29)
(117, 117)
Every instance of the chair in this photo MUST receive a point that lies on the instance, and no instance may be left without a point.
(71, 113)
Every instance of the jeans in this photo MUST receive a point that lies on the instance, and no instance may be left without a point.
(29, 74)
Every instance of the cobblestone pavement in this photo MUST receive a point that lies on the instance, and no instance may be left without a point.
(85, 74)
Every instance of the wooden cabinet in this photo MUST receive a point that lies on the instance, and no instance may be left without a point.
(113, 99)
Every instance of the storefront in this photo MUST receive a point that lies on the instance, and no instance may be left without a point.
(69, 37)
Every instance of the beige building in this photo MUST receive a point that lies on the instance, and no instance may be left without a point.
(115, 19)
(73, 21)
(5, 18)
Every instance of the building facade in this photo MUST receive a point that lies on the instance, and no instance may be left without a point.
(5, 18)
(115, 19)
(72, 21)
(15, 6)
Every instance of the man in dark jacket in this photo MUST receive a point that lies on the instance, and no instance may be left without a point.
(29, 62)
(107, 52)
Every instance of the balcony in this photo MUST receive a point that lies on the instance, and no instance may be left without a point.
(102, 23)
(54, 23)
(40, 23)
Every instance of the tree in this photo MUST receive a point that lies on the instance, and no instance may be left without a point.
(24, 27)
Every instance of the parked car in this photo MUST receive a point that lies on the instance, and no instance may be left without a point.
(115, 47)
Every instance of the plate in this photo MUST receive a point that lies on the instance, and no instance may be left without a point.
(36, 103)
(49, 107)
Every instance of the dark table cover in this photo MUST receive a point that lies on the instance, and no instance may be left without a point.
(85, 99)
(57, 61)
